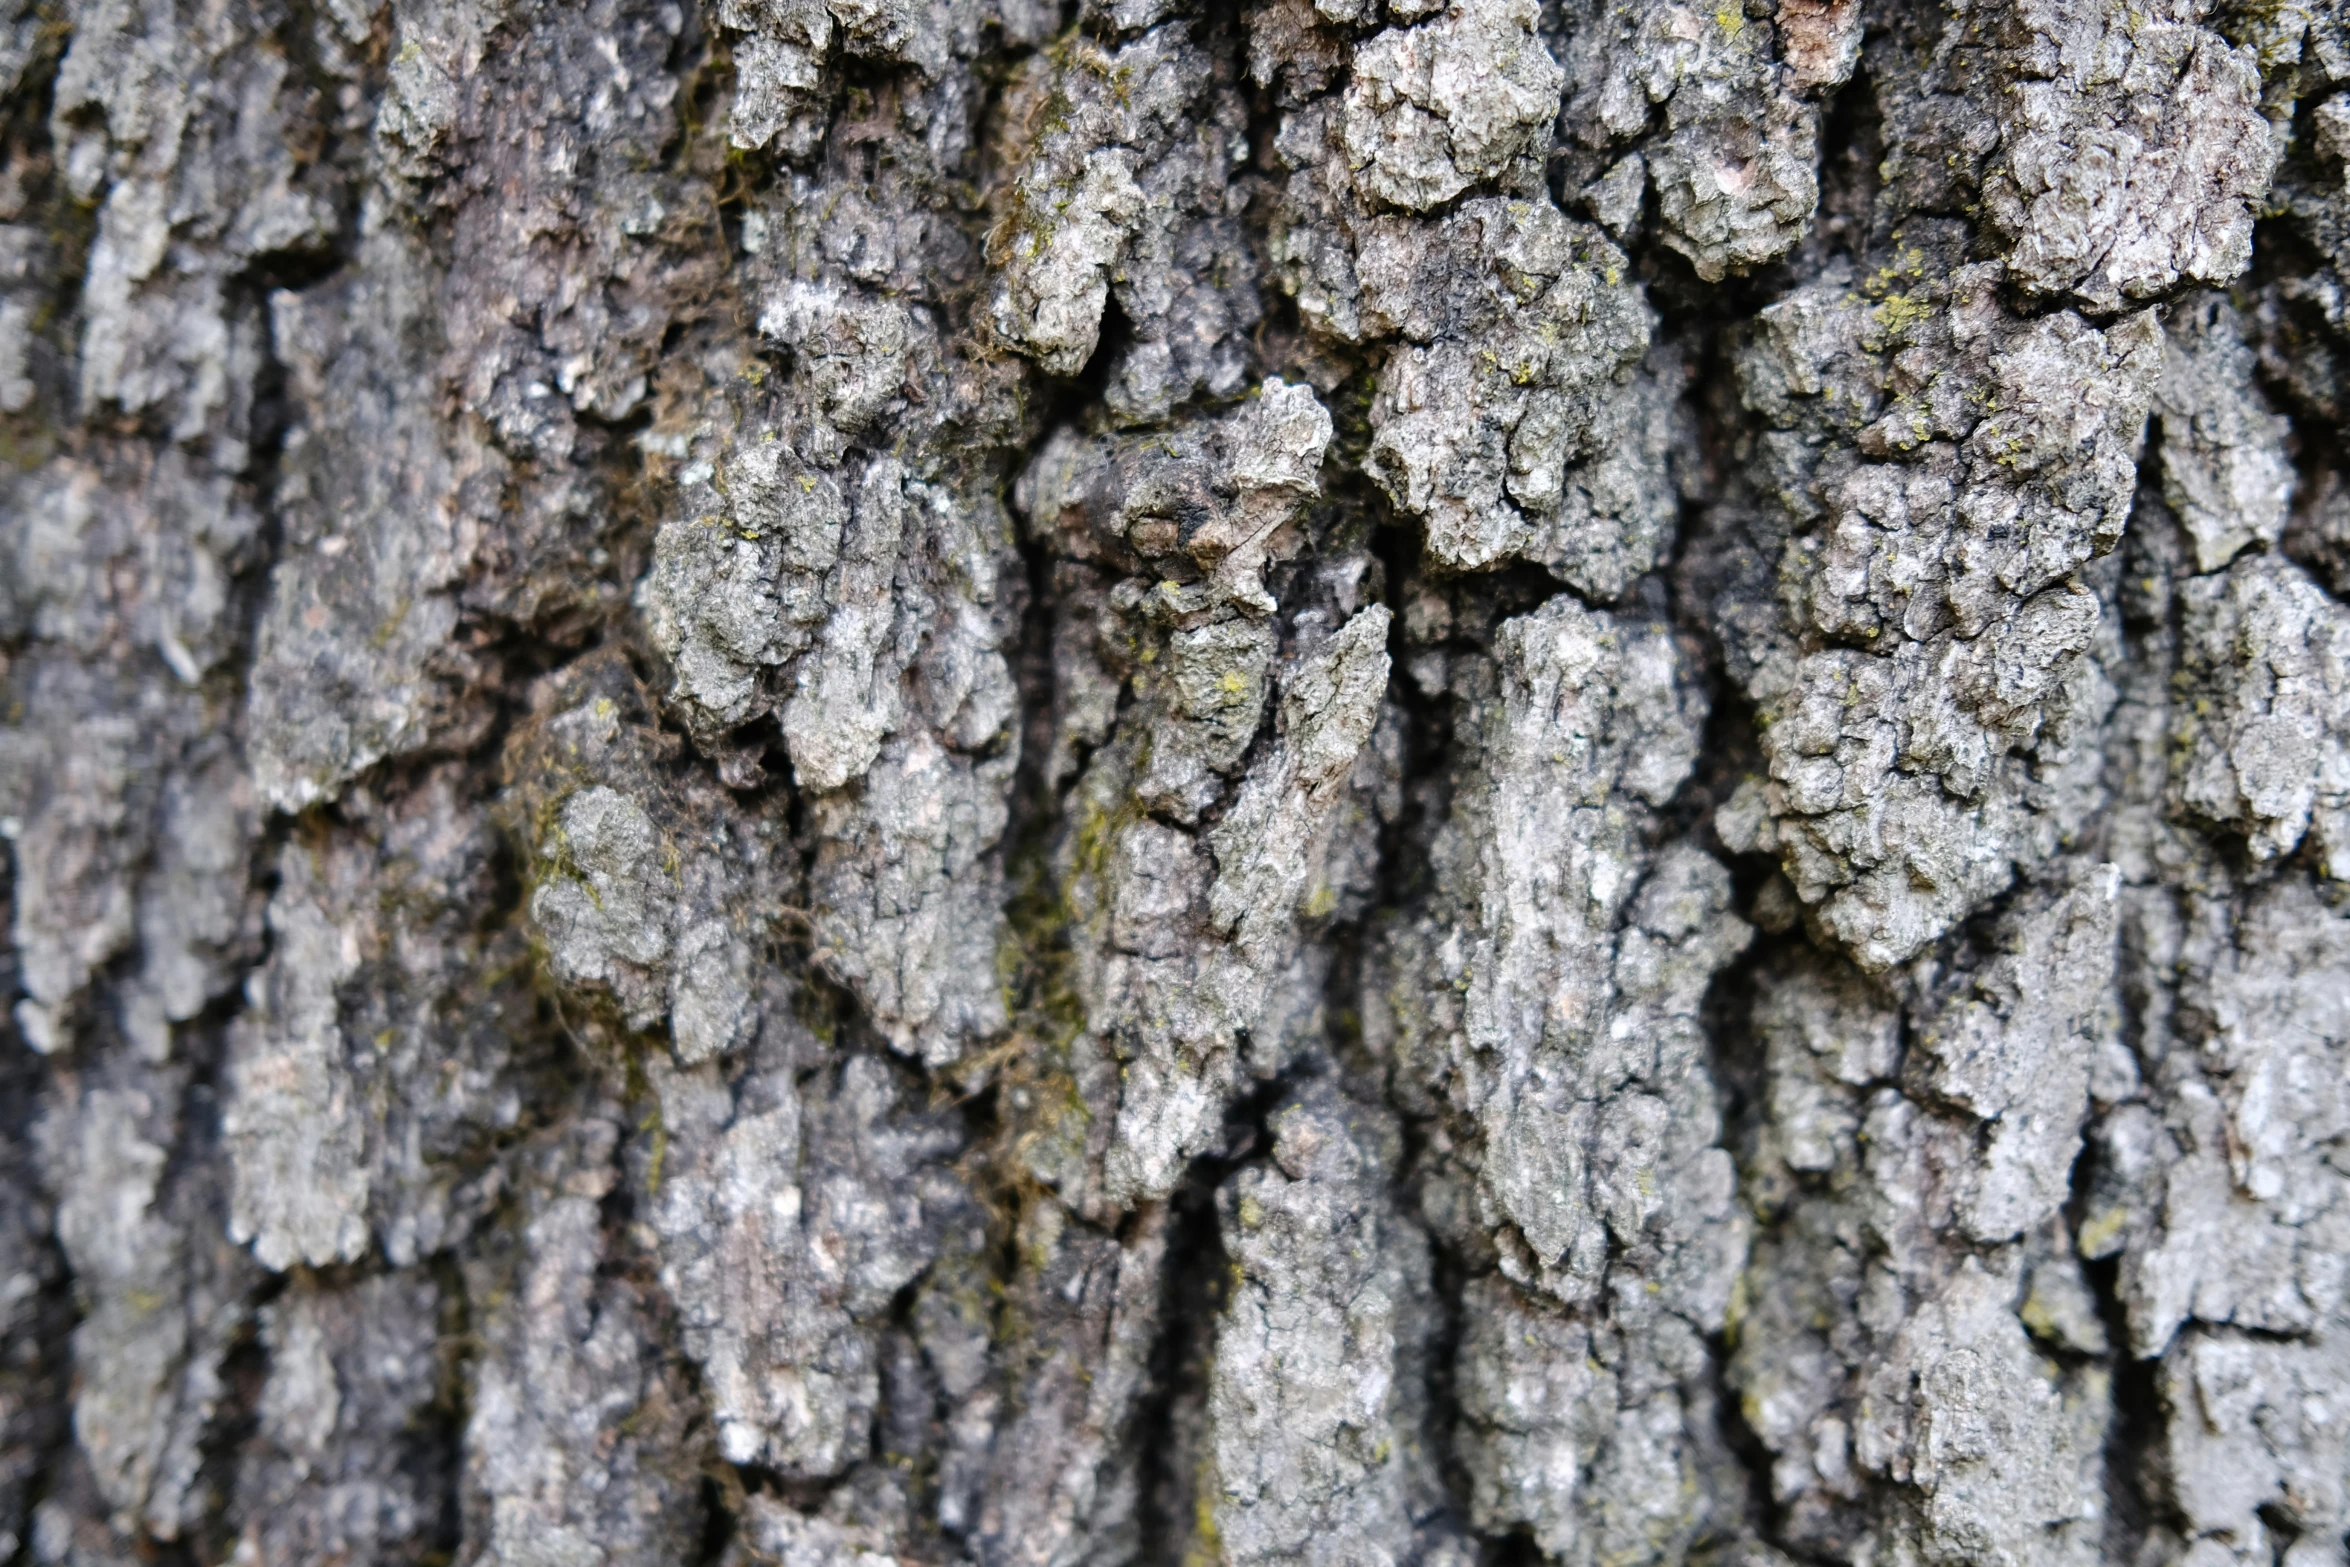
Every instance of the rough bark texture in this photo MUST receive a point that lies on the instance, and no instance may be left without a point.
(1031, 782)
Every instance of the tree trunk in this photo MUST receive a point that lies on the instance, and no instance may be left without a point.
(997, 783)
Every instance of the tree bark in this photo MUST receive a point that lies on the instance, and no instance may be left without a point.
(996, 783)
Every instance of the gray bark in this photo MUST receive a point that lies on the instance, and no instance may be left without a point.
(1322, 781)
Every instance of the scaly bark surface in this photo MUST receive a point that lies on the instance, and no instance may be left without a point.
(990, 783)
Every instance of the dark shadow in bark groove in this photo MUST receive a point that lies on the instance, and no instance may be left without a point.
(1852, 150)
(1735, 1057)
(2134, 1506)
(1170, 1422)
(43, 1434)
(1729, 752)
(41, 200)
(1450, 1283)
(437, 1458)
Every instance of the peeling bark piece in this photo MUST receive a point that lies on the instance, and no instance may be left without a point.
(2218, 1193)
(1264, 845)
(2253, 1445)
(2015, 1050)
(1435, 109)
(161, 1292)
(375, 1054)
(1207, 506)
(296, 1120)
(1059, 1472)
(646, 891)
(1510, 420)
(1894, 1346)
(911, 898)
(1175, 1006)
(763, 1201)
(1536, 1408)
(343, 1462)
(2225, 472)
(1734, 162)
(733, 594)
(361, 617)
(2131, 152)
(1124, 190)
(1320, 1354)
(1961, 1414)
(578, 1444)
(1545, 1009)
(1946, 468)
(780, 57)
(2263, 731)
